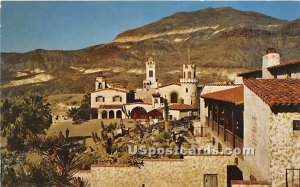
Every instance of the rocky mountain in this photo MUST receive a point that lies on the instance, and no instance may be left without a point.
(221, 41)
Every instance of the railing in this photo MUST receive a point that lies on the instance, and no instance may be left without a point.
(221, 132)
(207, 121)
(292, 177)
(238, 142)
(229, 137)
(226, 135)
(200, 131)
(215, 126)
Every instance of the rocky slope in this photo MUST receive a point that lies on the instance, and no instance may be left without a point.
(221, 41)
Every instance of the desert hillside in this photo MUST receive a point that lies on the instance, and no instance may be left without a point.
(221, 41)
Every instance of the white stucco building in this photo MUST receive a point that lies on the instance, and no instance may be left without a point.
(116, 102)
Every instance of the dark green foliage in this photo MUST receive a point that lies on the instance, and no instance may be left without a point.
(16, 170)
(84, 112)
(24, 118)
(61, 157)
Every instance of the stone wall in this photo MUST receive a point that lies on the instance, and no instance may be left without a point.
(185, 172)
(284, 146)
(276, 146)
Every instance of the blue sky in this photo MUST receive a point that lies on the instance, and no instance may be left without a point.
(73, 25)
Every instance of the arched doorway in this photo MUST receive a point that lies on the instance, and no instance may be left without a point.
(104, 114)
(111, 114)
(138, 113)
(119, 114)
(174, 97)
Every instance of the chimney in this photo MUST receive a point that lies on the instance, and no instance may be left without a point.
(271, 58)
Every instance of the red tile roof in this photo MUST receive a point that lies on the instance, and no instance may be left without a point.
(110, 106)
(287, 64)
(222, 84)
(250, 72)
(232, 95)
(276, 92)
(182, 107)
(115, 89)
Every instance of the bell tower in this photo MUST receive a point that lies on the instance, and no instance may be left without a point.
(189, 84)
(151, 81)
(100, 83)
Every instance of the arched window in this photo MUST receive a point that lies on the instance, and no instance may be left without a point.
(119, 114)
(184, 75)
(174, 97)
(194, 74)
(138, 113)
(104, 114)
(189, 75)
(187, 90)
(111, 114)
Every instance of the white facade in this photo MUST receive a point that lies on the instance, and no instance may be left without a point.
(171, 90)
(108, 96)
(189, 84)
(150, 81)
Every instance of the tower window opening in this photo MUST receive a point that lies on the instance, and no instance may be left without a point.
(150, 73)
(189, 75)
(186, 90)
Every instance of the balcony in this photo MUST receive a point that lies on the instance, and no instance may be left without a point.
(226, 135)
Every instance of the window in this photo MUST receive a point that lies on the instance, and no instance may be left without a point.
(117, 98)
(186, 90)
(100, 99)
(150, 73)
(100, 86)
(189, 75)
(194, 74)
(184, 75)
(296, 125)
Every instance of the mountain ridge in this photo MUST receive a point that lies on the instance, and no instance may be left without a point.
(215, 41)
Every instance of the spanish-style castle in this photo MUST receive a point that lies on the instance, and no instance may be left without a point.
(116, 102)
(258, 114)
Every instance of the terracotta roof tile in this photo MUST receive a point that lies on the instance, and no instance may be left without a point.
(221, 84)
(232, 95)
(276, 92)
(110, 106)
(115, 89)
(287, 64)
(182, 107)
